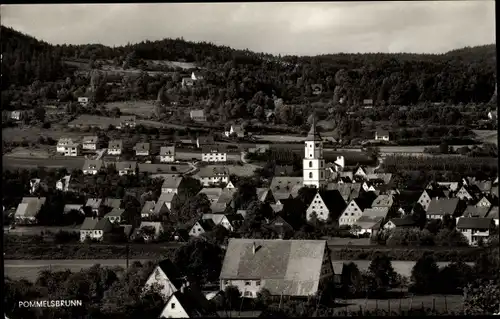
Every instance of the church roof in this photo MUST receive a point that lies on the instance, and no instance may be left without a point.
(313, 134)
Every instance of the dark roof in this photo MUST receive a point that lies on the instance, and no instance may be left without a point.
(206, 224)
(283, 170)
(435, 192)
(474, 223)
(205, 140)
(442, 206)
(493, 212)
(313, 134)
(101, 224)
(193, 304)
(473, 211)
(404, 221)
(213, 148)
(172, 272)
(333, 201)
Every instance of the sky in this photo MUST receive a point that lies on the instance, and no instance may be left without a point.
(278, 28)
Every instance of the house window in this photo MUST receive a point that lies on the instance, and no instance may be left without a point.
(310, 175)
(226, 282)
(257, 283)
(247, 283)
(173, 306)
(248, 294)
(310, 164)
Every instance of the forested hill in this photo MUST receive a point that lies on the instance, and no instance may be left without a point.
(466, 75)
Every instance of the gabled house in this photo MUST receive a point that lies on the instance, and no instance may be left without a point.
(63, 183)
(94, 204)
(153, 209)
(213, 193)
(376, 212)
(349, 191)
(142, 149)
(127, 121)
(379, 178)
(126, 168)
(383, 201)
(440, 207)
(83, 100)
(211, 175)
(187, 82)
(465, 194)
(213, 153)
(229, 221)
(115, 147)
(201, 226)
(73, 207)
(381, 135)
(404, 222)
(115, 215)
(229, 185)
(198, 115)
(168, 277)
(168, 199)
(204, 141)
(94, 228)
(284, 186)
(476, 211)
(363, 172)
(90, 142)
(352, 212)
(475, 229)
(63, 143)
(280, 227)
(188, 303)
(226, 196)
(195, 76)
(368, 187)
(92, 167)
(486, 201)
(167, 154)
(28, 210)
(236, 130)
(18, 115)
(368, 225)
(265, 195)
(172, 184)
(428, 195)
(326, 204)
(276, 265)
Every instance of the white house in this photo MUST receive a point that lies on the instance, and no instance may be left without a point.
(94, 228)
(213, 154)
(90, 142)
(127, 121)
(475, 228)
(213, 175)
(229, 185)
(197, 115)
(381, 135)
(235, 129)
(126, 168)
(115, 147)
(83, 100)
(27, 211)
(63, 183)
(115, 215)
(200, 227)
(168, 199)
(73, 149)
(324, 204)
(351, 213)
(171, 184)
(196, 76)
(63, 143)
(492, 115)
(92, 167)
(185, 304)
(167, 154)
(167, 277)
(142, 149)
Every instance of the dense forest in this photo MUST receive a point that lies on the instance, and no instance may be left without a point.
(240, 84)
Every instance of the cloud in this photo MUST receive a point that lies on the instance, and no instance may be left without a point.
(284, 28)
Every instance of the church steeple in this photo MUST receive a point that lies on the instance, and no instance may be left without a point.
(313, 164)
(313, 134)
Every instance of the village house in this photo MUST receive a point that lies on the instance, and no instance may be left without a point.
(115, 215)
(152, 209)
(229, 221)
(440, 207)
(379, 178)
(381, 135)
(404, 222)
(283, 186)
(212, 193)
(171, 184)
(127, 121)
(325, 204)
(492, 115)
(368, 187)
(83, 100)
(211, 175)
(476, 211)
(63, 143)
(428, 195)
(94, 228)
(63, 183)
(283, 170)
(465, 194)
(349, 191)
(28, 210)
(198, 115)
(368, 103)
(18, 115)
(276, 265)
(126, 168)
(201, 226)
(270, 116)
(363, 172)
(142, 149)
(226, 196)
(112, 203)
(204, 141)
(187, 304)
(383, 201)
(37, 184)
(229, 185)
(213, 153)
(368, 225)
(259, 148)
(486, 201)
(195, 76)
(73, 207)
(187, 82)
(475, 229)
(265, 195)
(218, 208)
(94, 204)
(115, 147)
(156, 227)
(90, 143)
(352, 212)
(167, 154)
(92, 167)
(74, 149)
(168, 199)
(280, 227)
(236, 130)
(167, 277)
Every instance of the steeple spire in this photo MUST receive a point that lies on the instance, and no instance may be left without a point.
(313, 133)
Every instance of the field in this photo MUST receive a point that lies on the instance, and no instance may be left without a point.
(23, 152)
(31, 134)
(487, 136)
(280, 138)
(10, 163)
(142, 108)
(441, 303)
(104, 122)
(239, 170)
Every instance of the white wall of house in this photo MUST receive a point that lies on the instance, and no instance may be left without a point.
(384, 137)
(89, 146)
(207, 181)
(317, 206)
(196, 230)
(167, 158)
(72, 151)
(93, 234)
(214, 157)
(351, 214)
(90, 172)
(248, 288)
(169, 190)
(160, 278)
(173, 309)
(473, 235)
(114, 151)
(424, 200)
(142, 153)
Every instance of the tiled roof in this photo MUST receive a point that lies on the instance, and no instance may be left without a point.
(376, 212)
(92, 165)
(90, 139)
(215, 217)
(116, 212)
(383, 201)
(226, 196)
(167, 150)
(172, 181)
(474, 223)
(115, 144)
(148, 207)
(493, 212)
(167, 197)
(285, 184)
(208, 149)
(366, 222)
(112, 202)
(213, 193)
(94, 203)
(142, 146)
(172, 273)
(206, 224)
(333, 201)
(70, 207)
(473, 211)
(405, 221)
(129, 165)
(209, 171)
(442, 206)
(155, 225)
(218, 207)
(196, 113)
(89, 223)
(289, 267)
(283, 170)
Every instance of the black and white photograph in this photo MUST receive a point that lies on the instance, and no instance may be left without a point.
(249, 159)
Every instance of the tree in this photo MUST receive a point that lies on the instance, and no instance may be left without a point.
(451, 238)
(424, 275)
(383, 273)
(232, 297)
(351, 280)
(39, 114)
(245, 194)
(482, 297)
(454, 277)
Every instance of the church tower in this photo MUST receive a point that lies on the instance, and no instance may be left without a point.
(313, 164)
